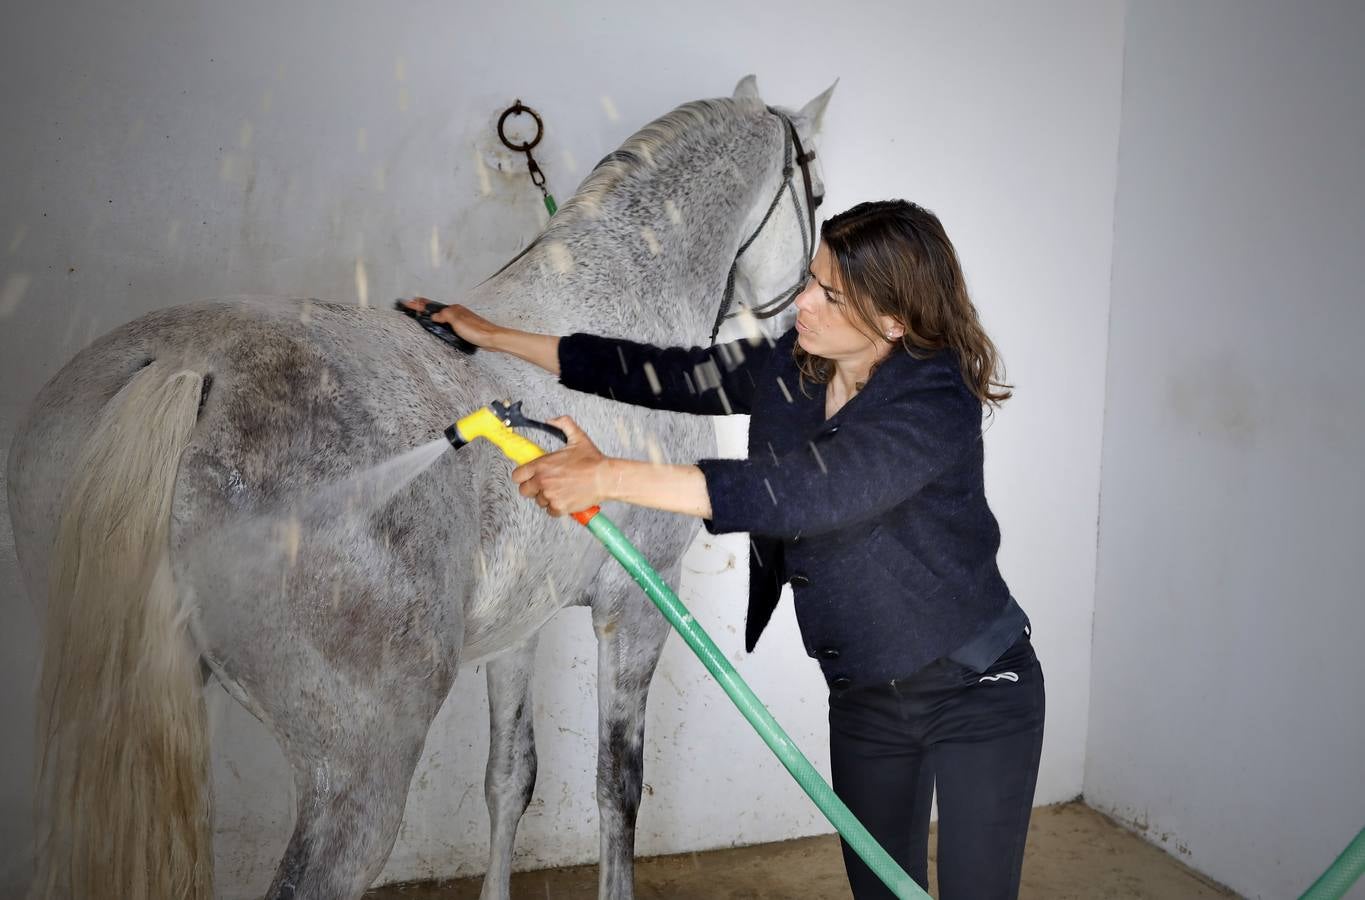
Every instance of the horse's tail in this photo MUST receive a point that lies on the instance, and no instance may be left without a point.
(123, 801)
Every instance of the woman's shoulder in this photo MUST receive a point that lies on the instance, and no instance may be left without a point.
(934, 379)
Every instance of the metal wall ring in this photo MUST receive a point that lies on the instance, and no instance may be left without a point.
(516, 110)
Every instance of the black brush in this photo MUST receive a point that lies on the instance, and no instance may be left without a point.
(437, 329)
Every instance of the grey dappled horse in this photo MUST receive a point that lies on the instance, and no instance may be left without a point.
(174, 498)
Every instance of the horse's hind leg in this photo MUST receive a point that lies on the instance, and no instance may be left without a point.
(511, 773)
(630, 637)
(350, 804)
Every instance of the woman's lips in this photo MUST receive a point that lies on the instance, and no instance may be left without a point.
(802, 326)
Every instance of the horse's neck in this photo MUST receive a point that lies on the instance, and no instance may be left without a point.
(649, 260)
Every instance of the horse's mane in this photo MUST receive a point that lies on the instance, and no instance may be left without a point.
(657, 144)
(654, 146)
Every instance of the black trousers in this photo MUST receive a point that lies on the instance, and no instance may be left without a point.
(977, 737)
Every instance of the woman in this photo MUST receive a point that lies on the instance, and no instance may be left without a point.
(864, 490)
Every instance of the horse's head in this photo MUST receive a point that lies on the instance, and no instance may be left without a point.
(704, 215)
(780, 230)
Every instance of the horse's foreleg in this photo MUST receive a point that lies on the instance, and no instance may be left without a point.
(630, 638)
(511, 773)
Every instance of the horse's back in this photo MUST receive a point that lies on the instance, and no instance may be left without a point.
(297, 395)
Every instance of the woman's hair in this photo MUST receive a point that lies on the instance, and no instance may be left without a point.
(893, 258)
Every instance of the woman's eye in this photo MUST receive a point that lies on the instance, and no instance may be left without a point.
(830, 297)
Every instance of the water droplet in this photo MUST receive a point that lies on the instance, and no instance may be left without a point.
(590, 204)
(485, 183)
(362, 283)
(13, 293)
(291, 536)
(560, 258)
(819, 461)
(748, 324)
(651, 240)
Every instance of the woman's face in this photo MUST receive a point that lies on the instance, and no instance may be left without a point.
(824, 322)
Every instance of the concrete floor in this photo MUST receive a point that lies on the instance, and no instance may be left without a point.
(1073, 852)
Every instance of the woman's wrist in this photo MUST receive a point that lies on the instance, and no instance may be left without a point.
(675, 488)
(613, 477)
(498, 340)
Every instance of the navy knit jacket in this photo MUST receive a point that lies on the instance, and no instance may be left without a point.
(877, 515)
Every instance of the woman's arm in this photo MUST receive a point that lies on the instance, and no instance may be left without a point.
(538, 349)
(679, 489)
(579, 476)
(852, 471)
(713, 381)
(707, 381)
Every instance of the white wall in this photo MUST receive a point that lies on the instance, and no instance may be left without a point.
(1226, 719)
(162, 151)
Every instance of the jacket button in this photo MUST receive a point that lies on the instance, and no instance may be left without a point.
(829, 653)
(840, 683)
(799, 580)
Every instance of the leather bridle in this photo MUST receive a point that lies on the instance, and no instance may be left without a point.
(803, 158)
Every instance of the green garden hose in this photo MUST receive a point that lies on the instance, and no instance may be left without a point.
(483, 423)
(1340, 875)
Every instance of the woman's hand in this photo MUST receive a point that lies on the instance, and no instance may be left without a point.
(539, 349)
(568, 480)
(463, 321)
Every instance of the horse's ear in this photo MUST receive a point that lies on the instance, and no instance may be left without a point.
(814, 112)
(747, 89)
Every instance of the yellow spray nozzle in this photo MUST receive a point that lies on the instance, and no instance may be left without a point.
(484, 423)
